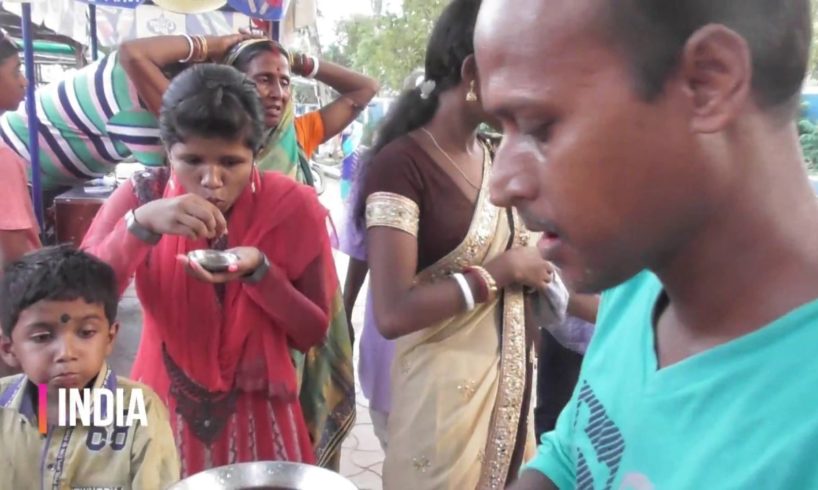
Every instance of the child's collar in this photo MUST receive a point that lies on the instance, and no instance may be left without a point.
(20, 394)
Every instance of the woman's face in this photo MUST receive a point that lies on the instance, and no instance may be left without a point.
(12, 84)
(213, 168)
(271, 73)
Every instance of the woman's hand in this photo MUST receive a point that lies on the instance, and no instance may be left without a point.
(250, 259)
(524, 266)
(189, 216)
(219, 46)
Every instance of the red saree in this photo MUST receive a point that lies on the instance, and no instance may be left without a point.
(221, 360)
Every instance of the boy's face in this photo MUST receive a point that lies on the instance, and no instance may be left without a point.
(60, 343)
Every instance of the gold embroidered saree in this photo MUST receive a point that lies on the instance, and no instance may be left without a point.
(458, 387)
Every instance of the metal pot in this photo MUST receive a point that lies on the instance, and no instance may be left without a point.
(269, 475)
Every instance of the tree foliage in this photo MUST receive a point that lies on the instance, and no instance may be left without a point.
(387, 46)
(808, 135)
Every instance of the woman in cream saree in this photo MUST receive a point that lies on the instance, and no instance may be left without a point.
(463, 380)
(447, 271)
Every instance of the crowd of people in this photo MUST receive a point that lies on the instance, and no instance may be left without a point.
(617, 292)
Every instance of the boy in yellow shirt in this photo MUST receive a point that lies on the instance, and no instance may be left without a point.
(58, 317)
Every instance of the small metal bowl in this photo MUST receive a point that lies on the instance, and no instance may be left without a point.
(213, 260)
(261, 475)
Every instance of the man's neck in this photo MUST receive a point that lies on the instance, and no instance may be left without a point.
(754, 260)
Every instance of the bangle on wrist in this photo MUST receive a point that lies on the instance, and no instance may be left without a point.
(139, 231)
(316, 65)
(191, 49)
(486, 279)
(468, 296)
(482, 295)
(201, 44)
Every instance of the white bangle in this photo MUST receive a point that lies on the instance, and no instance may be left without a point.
(190, 44)
(468, 296)
(315, 66)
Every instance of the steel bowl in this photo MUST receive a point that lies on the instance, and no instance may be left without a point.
(213, 260)
(266, 475)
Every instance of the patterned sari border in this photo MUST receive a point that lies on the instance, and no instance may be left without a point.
(511, 391)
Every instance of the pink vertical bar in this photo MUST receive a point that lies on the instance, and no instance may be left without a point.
(42, 416)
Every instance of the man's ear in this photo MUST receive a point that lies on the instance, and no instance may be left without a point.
(716, 73)
(6, 352)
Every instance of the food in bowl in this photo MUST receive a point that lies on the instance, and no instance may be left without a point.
(213, 260)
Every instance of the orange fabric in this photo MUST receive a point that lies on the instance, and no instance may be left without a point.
(309, 129)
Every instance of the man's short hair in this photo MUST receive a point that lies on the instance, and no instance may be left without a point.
(56, 274)
(653, 33)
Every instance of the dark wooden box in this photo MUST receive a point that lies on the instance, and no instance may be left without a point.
(74, 212)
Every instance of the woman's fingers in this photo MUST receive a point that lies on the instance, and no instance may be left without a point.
(206, 212)
(195, 227)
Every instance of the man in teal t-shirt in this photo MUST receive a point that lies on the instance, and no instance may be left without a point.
(693, 424)
(654, 145)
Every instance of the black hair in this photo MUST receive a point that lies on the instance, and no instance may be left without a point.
(8, 47)
(248, 54)
(172, 70)
(212, 101)
(652, 34)
(59, 273)
(451, 42)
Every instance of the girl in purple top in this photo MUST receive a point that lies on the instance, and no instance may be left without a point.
(375, 352)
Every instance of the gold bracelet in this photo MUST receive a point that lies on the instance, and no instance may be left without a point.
(203, 51)
(487, 278)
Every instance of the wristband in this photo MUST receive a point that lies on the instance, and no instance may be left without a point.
(261, 271)
(140, 231)
(468, 296)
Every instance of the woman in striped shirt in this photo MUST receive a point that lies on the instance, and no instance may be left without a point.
(93, 119)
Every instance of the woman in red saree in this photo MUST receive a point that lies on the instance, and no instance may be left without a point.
(215, 345)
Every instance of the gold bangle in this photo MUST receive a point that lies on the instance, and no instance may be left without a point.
(487, 278)
(203, 51)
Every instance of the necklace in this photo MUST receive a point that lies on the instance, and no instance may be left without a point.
(455, 165)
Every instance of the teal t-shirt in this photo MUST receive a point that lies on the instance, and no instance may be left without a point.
(741, 415)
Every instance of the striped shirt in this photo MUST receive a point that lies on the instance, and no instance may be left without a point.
(89, 122)
(142, 457)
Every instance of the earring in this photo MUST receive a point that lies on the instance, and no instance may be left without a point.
(253, 176)
(472, 95)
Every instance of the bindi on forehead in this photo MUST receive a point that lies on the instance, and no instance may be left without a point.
(65, 318)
